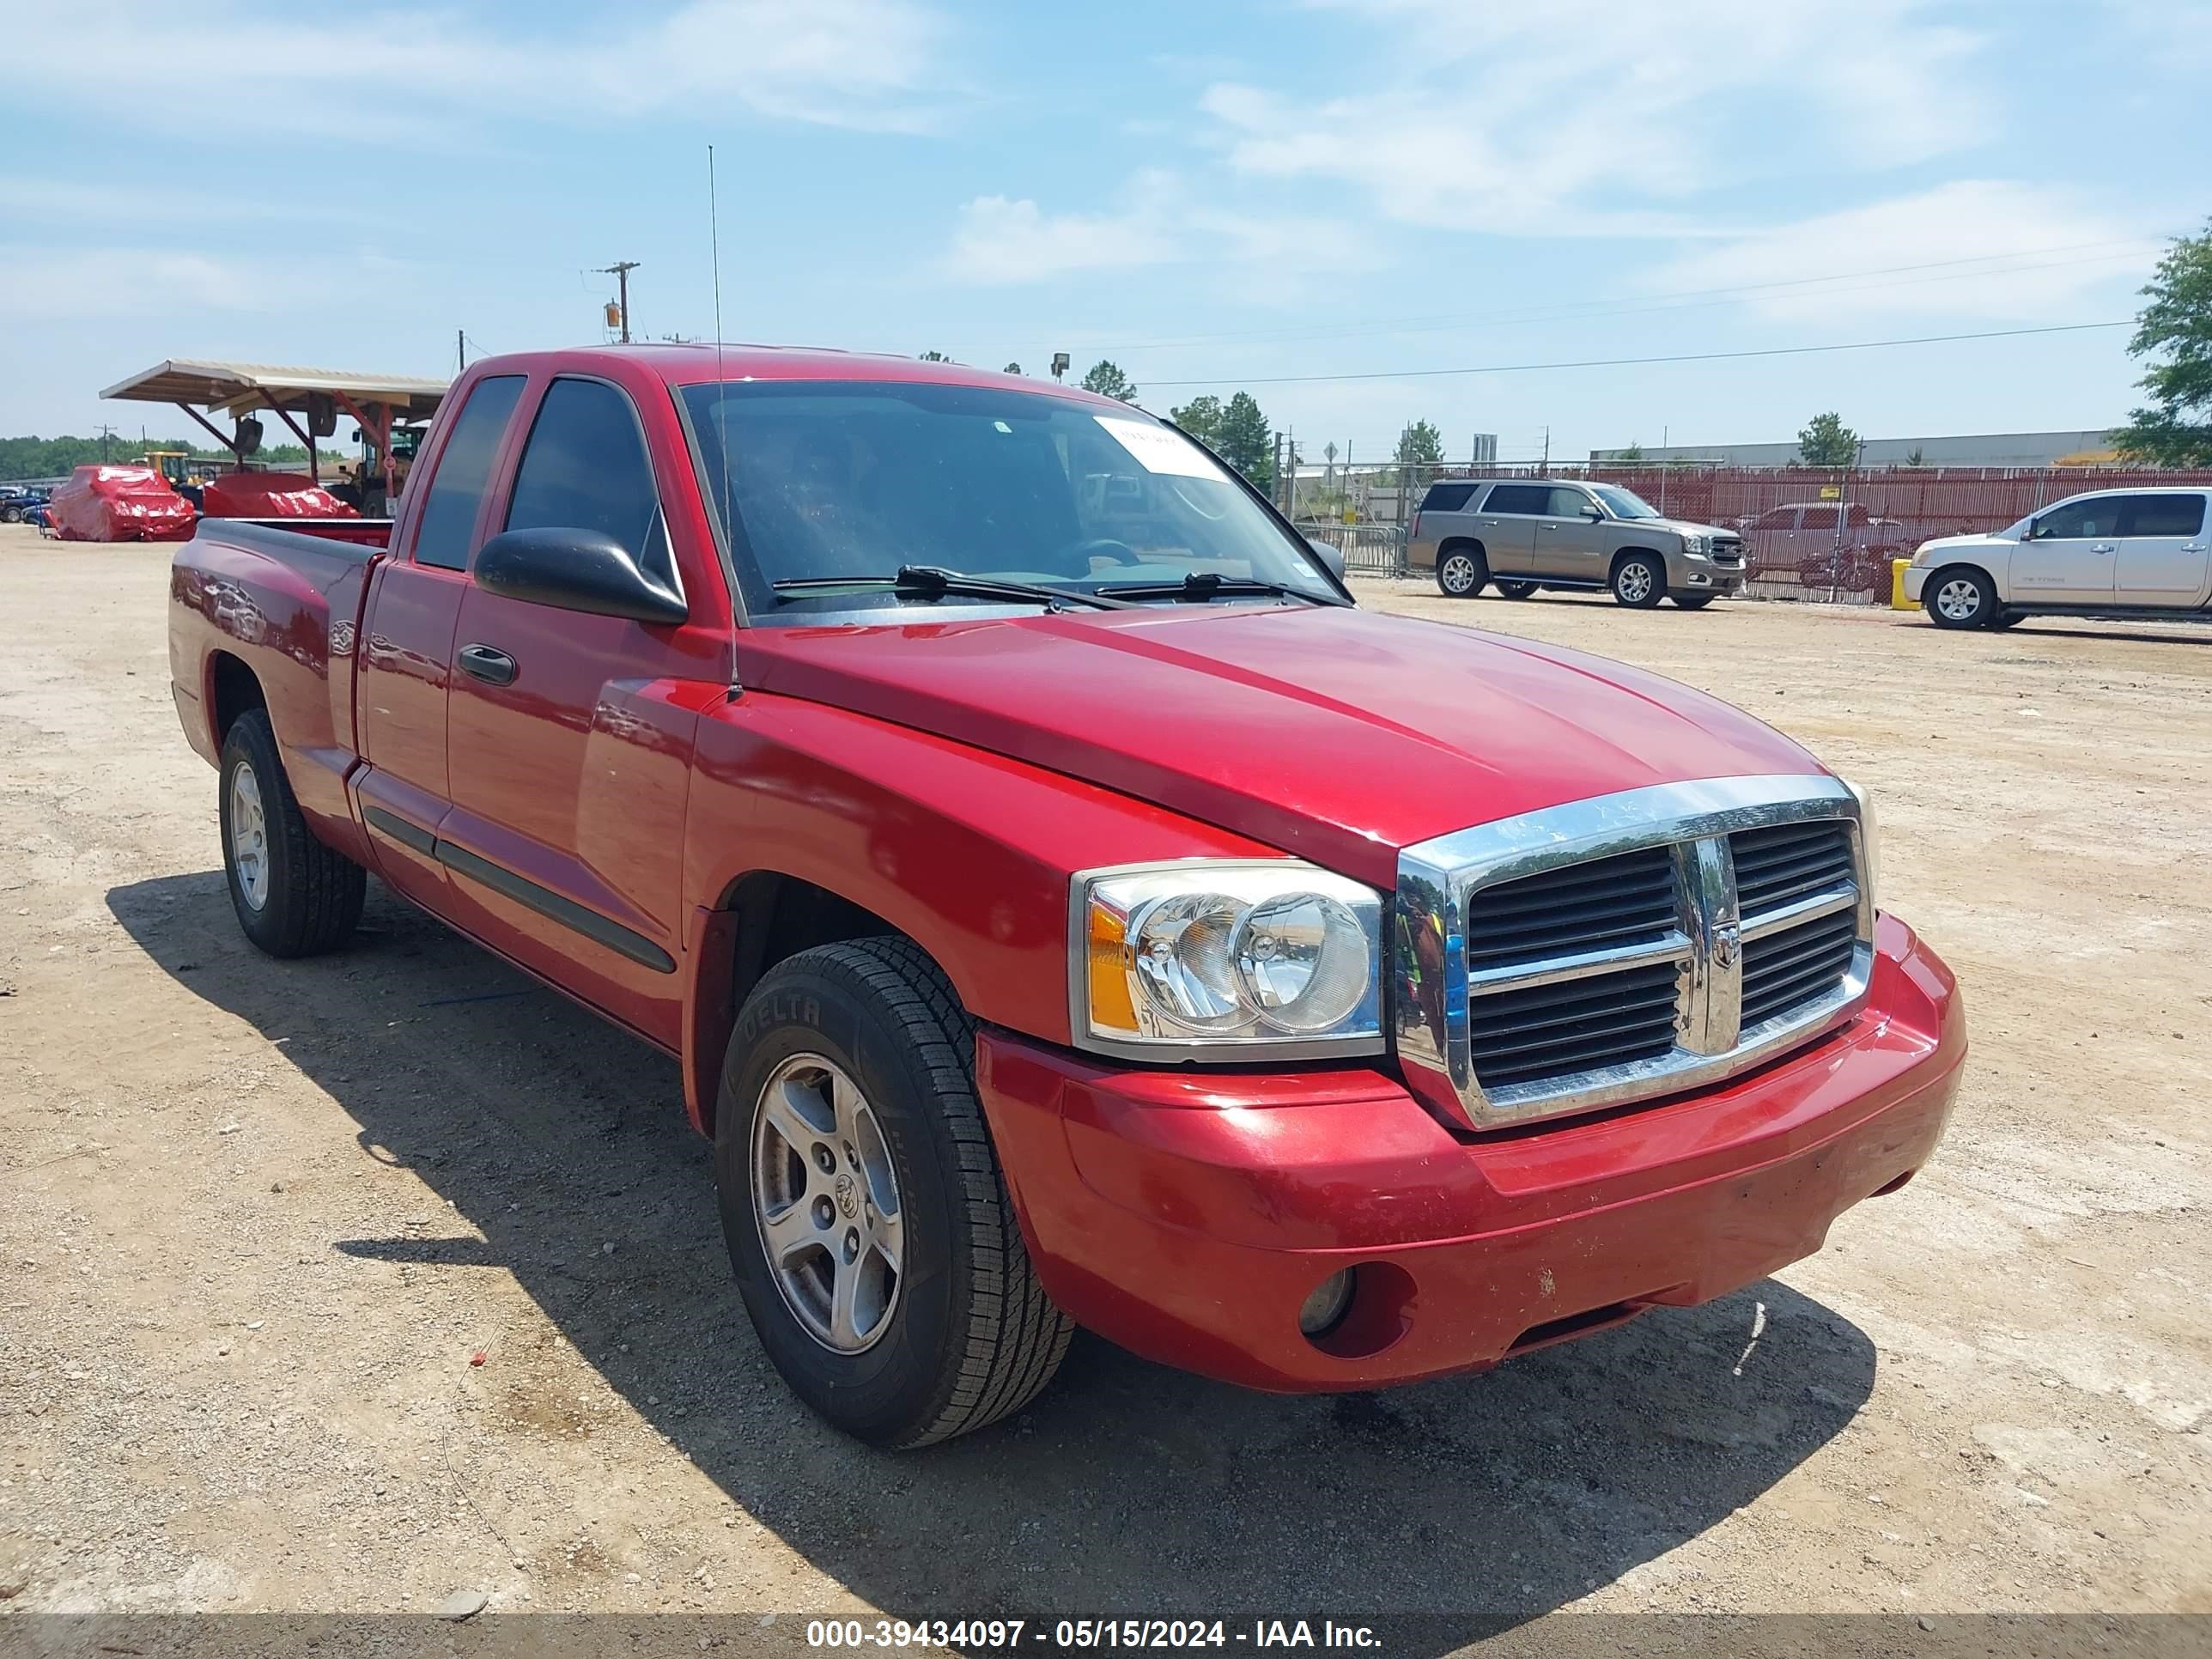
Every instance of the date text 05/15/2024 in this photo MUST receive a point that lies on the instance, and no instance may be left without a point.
(1013, 1633)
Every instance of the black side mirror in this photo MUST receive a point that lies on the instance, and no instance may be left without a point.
(576, 570)
(1329, 555)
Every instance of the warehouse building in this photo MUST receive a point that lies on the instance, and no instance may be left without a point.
(1986, 449)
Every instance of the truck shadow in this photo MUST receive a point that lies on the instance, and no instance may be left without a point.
(1463, 1506)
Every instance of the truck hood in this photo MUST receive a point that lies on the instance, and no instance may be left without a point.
(1678, 526)
(1335, 734)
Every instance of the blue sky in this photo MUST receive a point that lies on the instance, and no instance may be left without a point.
(1212, 194)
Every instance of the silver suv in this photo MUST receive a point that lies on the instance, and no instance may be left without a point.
(1524, 534)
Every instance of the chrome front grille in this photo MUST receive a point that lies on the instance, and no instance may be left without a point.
(1629, 946)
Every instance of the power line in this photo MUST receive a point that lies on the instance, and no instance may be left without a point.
(1630, 362)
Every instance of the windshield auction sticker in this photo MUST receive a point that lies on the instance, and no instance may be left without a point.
(1158, 450)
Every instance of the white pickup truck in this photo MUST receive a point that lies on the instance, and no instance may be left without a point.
(2111, 552)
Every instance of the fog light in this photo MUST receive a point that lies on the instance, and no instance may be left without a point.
(1326, 1307)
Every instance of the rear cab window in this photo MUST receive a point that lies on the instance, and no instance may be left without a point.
(1533, 501)
(2161, 515)
(446, 536)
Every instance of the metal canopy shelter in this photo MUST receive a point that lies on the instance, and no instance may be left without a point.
(376, 401)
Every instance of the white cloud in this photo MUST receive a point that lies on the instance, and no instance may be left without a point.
(998, 240)
(873, 64)
(1592, 117)
(2025, 253)
(47, 286)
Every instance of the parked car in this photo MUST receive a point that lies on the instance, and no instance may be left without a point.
(1124, 931)
(1801, 538)
(17, 505)
(2106, 553)
(1527, 534)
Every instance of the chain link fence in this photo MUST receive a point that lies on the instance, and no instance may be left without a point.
(1819, 534)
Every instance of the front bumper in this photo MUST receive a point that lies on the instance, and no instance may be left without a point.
(1186, 1215)
(1916, 578)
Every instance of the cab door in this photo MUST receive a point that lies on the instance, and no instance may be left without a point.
(405, 660)
(1507, 524)
(2069, 554)
(2163, 558)
(1571, 543)
(570, 735)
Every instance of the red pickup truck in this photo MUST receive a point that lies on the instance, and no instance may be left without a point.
(1068, 907)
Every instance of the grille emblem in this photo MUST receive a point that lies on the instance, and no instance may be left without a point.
(1728, 945)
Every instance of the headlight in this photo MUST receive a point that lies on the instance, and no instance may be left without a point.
(1224, 959)
(1920, 554)
(1866, 835)
(1694, 543)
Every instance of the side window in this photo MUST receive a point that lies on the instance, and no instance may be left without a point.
(2161, 515)
(1819, 518)
(2073, 521)
(1568, 503)
(1777, 517)
(449, 511)
(1446, 497)
(1531, 499)
(586, 468)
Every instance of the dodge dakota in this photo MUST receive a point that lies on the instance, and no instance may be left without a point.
(1067, 906)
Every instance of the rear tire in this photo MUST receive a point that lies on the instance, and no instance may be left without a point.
(1462, 573)
(1961, 597)
(294, 897)
(1518, 590)
(1640, 581)
(947, 1328)
(11, 514)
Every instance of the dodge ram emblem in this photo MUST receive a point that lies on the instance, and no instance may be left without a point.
(1728, 945)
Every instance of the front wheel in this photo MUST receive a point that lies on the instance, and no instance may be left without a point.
(294, 897)
(1462, 573)
(1640, 581)
(868, 1224)
(1962, 597)
(1518, 590)
(11, 514)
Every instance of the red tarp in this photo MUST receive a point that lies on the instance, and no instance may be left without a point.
(120, 504)
(269, 496)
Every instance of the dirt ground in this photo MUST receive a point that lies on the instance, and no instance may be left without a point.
(258, 1221)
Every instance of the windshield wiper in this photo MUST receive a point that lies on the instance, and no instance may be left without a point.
(931, 581)
(1207, 585)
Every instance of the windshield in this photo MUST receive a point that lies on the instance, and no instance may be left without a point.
(857, 478)
(1624, 503)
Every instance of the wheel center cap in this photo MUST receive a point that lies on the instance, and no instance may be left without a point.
(849, 1195)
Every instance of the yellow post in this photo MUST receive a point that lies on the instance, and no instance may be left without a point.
(1897, 600)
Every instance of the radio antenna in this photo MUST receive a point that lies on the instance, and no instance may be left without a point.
(721, 393)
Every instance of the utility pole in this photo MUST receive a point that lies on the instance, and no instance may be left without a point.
(1544, 469)
(105, 432)
(620, 271)
(460, 352)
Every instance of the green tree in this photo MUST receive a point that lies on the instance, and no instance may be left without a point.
(55, 457)
(1013, 368)
(1826, 441)
(1420, 450)
(2175, 427)
(1108, 380)
(1914, 459)
(933, 357)
(1631, 456)
(1246, 441)
(1202, 419)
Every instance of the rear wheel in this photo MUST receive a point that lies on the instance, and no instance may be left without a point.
(1961, 597)
(294, 897)
(867, 1219)
(1640, 581)
(11, 513)
(1461, 572)
(1518, 590)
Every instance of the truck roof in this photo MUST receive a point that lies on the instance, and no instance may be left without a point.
(694, 362)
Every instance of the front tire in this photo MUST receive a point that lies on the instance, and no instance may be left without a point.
(1961, 597)
(1462, 573)
(294, 897)
(1518, 590)
(867, 1221)
(1640, 581)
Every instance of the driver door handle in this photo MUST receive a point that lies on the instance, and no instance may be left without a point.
(492, 667)
(2101, 547)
